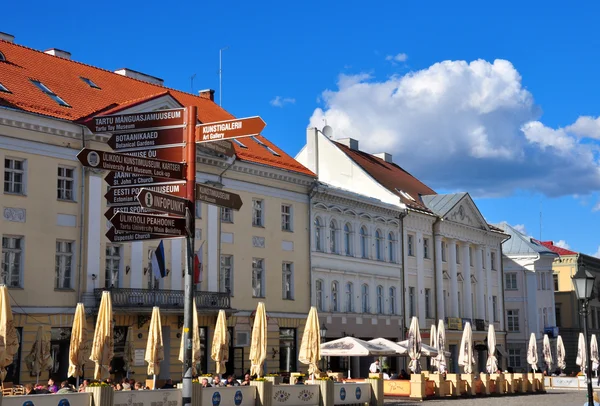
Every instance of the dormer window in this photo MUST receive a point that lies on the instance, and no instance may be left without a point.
(265, 146)
(2, 57)
(4, 88)
(89, 82)
(50, 93)
(239, 143)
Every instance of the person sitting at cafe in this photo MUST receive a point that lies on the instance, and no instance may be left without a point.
(217, 381)
(205, 383)
(65, 387)
(231, 381)
(29, 389)
(246, 380)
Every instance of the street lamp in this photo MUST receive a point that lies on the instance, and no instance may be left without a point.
(323, 334)
(583, 281)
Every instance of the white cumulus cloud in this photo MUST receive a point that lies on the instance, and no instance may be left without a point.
(401, 57)
(586, 126)
(461, 125)
(520, 228)
(279, 101)
(562, 244)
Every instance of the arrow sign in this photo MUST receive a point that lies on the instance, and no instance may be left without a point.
(153, 200)
(146, 223)
(174, 154)
(123, 123)
(220, 147)
(131, 164)
(240, 127)
(129, 209)
(146, 139)
(125, 195)
(114, 236)
(218, 197)
(120, 179)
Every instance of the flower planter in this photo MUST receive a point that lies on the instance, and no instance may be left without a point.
(264, 392)
(101, 395)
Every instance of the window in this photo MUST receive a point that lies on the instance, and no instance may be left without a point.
(379, 299)
(428, 303)
(113, 265)
(379, 245)
(4, 88)
(50, 93)
(365, 298)
(545, 318)
(14, 176)
(444, 248)
(65, 183)
(287, 350)
(457, 247)
(226, 274)
(555, 280)
(409, 243)
(12, 260)
(318, 234)
(483, 259)
(265, 146)
(319, 294)
(470, 256)
(512, 317)
(543, 280)
(89, 82)
(349, 297)
(514, 357)
(198, 209)
(333, 248)
(411, 302)
(286, 217)
(459, 304)
(495, 307)
(392, 300)
(64, 264)
(335, 292)
(238, 143)
(510, 281)
(445, 302)
(425, 248)
(257, 213)
(493, 259)
(558, 318)
(348, 239)
(287, 277)
(226, 215)
(258, 277)
(364, 248)
(391, 248)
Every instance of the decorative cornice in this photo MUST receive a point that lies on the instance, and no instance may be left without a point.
(355, 208)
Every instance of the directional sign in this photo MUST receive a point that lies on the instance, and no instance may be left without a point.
(240, 127)
(220, 147)
(125, 195)
(146, 139)
(131, 164)
(218, 197)
(122, 123)
(162, 202)
(174, 154)
(146, 223)
(115, 236)
(121, 179)
(130, 209)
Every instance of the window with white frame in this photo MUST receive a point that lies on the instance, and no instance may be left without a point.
(318, 234)
(226, 274)
(226, 215)
(391, 248)
(287, 277)
(257, 213)
(66, 182)
(286, 217)
(493, 260)
(319, 294)
(512, 320)
(514, 357)
(364, 245)
(495, 307)
(349, 297)
(12, 261)
(64, 264)
(333, 248)
(392, 294)
(348, 239)
(380, 298)
(410, 245)
(379, 245)
(427, 303)
(335, 296)
(14, 176)
(411, 302)
(365, 298)
(444, 248)
(198, 209)
(426, 248)
(112, 265)
(258, 277)
(510, 281)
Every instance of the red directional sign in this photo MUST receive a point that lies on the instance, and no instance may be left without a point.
(240, 127)
(128, 195)
(146, 139)
(115, 236)
(146, 223)
(131, 164)
(162, 202)
(122, 123)
(218, 197)
(120, 179)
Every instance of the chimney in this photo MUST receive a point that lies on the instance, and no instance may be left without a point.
(385, 156)
(7, 37)
(207, 94)
(130, 73)
(350, 143)
(58, 52)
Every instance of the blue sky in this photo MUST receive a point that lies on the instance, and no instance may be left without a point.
(510, 117)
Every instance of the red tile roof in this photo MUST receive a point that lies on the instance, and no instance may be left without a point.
(63, 77)
(560, 251)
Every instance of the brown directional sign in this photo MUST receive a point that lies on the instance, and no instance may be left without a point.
(146, 139)
(130, 122)
(115, 236)
(162, 202)
(218, 197)
(220, 147)
(146, 223)
(121, 179)
(131, 164)
(174, 154)
(125, 195)
(130, 209)
(240, 127)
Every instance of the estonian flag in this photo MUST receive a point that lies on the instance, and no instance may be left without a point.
(158, 262)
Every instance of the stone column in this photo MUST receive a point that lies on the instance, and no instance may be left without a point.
(453, 278)
(137, 264)
(466, 263)
(480, 283)
(500, 299)
(439, 278)
(95, 234)
(489, 272)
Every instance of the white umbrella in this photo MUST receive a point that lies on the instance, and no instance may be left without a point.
(594, 353)
(492, 363)
(532, 357)
(441, 345)
(560, 354)
(581, 354)
(353, 347)
(465, 357)
(433, 344)
(426, 350)
(414, 346)
(390, 345)
(547, 351)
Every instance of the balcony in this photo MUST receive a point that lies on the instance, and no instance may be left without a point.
(167, 300)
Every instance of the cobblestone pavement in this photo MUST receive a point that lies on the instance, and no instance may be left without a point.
(553, 397)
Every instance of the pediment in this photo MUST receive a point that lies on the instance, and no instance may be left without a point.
(465, 212)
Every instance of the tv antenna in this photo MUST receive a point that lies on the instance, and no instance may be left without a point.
(221, 74)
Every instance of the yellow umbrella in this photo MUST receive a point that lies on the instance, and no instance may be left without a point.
(258, 348)
(196, 353)
(79, 347)
(310, 348)
(9, 342)
(103, 345)
(154, 348)
(220, 346)
(40, 359)
(129, 355)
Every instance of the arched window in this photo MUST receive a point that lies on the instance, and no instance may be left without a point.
(319, 294)
(364, 248)
(333, 237)
(335, 304)
(318, 234)
(349, 297)
(380, 299)
(365, 298)
(348, 239)
(379, 245)
(391, 248)
(392, 300)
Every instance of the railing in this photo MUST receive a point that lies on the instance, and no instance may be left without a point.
(165, 299)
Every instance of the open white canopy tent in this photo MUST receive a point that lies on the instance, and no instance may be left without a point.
(353, 347)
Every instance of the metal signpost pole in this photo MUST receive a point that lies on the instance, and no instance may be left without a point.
(190, 157)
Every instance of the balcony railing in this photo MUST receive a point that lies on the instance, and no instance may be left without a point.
(165, 299)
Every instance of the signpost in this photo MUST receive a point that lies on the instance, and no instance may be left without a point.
(121, 179)
(128, 195)
(125, 123)
(147, 223)
(220, 147)
(240, 127)
(218, 197)
(132, 208)
(152, 200)
(114, 236)
(145, 139)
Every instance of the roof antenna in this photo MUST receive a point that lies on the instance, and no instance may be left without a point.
(221, 74)
(192, 83)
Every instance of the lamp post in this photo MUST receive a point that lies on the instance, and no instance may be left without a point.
(323, 334)
(583, 281)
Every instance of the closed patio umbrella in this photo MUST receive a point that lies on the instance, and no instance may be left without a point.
(414, 346)
(220, 346)
(258, 347)
(547, 351)
(196, 351)
(79, 348)
(40, 358)
(560, 354)
(129, 354)
(310, 347)
(465, 356)
(9, 341)
(532, 356)
(492, 362)
(155, 352)
(433, 344)
(103, 344)
(441, 345)
(581, 353)
(594, 353)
